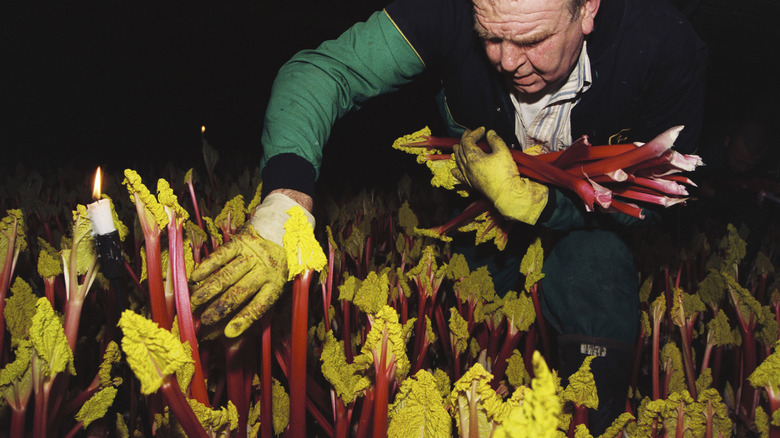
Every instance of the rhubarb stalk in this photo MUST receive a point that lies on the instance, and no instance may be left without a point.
(304, 256)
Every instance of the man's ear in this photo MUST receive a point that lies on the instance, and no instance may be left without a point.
(588, 15)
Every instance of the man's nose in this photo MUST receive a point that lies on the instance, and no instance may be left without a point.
(512, 56)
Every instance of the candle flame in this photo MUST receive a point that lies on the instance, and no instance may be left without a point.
(202, 129)
(96, 186)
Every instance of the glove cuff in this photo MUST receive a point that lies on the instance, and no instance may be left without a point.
(522, 200)
(270, 216)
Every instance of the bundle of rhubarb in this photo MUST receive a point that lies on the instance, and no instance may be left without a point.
(611, 178)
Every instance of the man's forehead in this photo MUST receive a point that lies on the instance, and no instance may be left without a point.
(522, 19)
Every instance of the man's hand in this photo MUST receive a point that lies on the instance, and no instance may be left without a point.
(252, 264)
(495, 175)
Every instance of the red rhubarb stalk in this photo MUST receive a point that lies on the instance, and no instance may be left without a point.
(235, 377)
(300, 314)
(655, 148)
(266, 414)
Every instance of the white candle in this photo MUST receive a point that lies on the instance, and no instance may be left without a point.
(99, 213)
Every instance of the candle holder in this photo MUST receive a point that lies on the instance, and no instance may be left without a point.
(109, 253)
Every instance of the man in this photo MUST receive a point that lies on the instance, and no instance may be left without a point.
(538, 73)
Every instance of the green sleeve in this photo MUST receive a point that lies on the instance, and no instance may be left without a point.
(316, 87)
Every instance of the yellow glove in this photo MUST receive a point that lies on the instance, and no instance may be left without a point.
(252, 264)
(495, 175)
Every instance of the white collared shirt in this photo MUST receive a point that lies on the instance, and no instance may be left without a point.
(547, 122)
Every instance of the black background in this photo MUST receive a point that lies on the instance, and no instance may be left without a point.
(129, 84)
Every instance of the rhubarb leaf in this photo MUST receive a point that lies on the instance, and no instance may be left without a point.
(152, 352)
(111, 357)
(472, 394)
(19, 310)
(671, 361)
(476, 286)
(459, 331)
(48, 338)
(407, 220)
(150, 212)
(538, 415)
(232, 216)
(767, 373)
(49, 261)
(96, 407)
(169, 201)
(516, 373)
(519, 312)
(344, 377)
(12, 228)
(531, 265)
(86, 255)
(370, 353)
(457, 267)
(218, 422)
(303, 251)
(373, 293)
(582, 387)
(281, 407)
(418, 409)
(16, 383)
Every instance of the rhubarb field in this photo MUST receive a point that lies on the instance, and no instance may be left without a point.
(389, 333)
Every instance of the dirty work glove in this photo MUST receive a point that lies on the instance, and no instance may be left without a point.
(252, 264)
(495, 175)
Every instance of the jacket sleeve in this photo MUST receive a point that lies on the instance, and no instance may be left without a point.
(316, 87)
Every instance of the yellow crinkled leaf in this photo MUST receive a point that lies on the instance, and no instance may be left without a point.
(213, 230)
(537, 416)
(432, 233)
(256, 199)
(169, 201)
(16, 383)
(152, 352)
(233, 214)
(459, 331)
(96, 407)
(216, 421)
(520, 312)
(531, 266)
(442, 172)
(19, 310)
(421, 135)
(48, 338)
(418, 409)
(12, 227)
(396, 344)
(111, 357)
(86, 256)
(281, 409)
(582, 386)
(150, 212)
(303, 251)
(49, 262)
(344, 377)
(472, 393)
(515, 370)
(486, 228)
(372, 294)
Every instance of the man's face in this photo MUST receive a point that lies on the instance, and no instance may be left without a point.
(534, 43)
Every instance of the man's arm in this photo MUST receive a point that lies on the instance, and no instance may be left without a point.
(317, 87)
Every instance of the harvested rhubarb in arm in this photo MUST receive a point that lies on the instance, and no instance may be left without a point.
(613, 178)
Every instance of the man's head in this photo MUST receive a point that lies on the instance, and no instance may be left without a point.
(534, 43)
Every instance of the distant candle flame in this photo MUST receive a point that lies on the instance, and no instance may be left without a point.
(96, 186)
(202, 129)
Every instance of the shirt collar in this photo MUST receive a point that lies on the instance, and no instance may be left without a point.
(579, 79)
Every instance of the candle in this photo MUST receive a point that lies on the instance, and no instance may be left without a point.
(100, 211)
